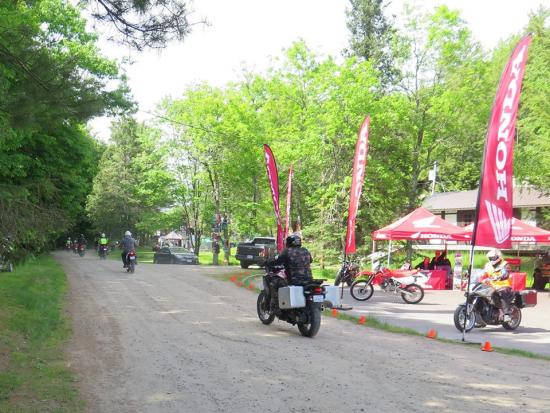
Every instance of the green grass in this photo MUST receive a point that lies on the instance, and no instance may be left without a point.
(34, 376)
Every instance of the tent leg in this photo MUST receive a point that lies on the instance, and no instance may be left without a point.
(372, 255)
(389, 253)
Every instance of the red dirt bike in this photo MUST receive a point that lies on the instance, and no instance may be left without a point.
(405, 283)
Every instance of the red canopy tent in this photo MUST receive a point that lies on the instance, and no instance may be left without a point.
(421, 224)
(522, 232)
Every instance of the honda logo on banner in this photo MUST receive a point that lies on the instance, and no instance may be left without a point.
(495, 203)
(359, 165)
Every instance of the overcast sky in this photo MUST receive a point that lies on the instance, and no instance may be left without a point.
(247, 33)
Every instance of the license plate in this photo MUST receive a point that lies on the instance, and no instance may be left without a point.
(318, 298)
(132, 258)
(249, 257)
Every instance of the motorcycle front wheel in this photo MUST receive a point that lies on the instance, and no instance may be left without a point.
(516, 319)
(312, 328)
(460, 315)
(262, 307)
(338, 279)
(361, 290)
(413, 294)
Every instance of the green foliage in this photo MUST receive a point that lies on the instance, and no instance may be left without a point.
(309, 111)
(133, 182)
(52, 81)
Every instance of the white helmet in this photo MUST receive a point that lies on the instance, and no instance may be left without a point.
(495, 256)
(102, 235)
(127, 234)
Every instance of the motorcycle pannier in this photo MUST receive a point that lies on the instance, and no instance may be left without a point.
(291, 297)
(528, 298)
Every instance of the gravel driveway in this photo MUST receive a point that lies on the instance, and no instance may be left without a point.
(174, 339)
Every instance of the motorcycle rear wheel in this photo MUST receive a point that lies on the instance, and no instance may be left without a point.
(361, 290)
(516, 319)
(460, 315)
(312, 328)
(262, 307)
(413, 295)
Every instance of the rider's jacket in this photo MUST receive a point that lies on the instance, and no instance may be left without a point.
(128, 243)
(499, 274)
(103, 241)
(297, 262)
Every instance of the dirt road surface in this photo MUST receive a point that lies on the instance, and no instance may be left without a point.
(174, 339)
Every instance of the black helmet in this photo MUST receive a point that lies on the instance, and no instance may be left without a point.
(293, 241)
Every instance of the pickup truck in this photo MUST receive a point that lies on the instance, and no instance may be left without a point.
(255, 252)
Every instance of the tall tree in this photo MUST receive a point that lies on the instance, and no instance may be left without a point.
(133, 180)
(372, 35)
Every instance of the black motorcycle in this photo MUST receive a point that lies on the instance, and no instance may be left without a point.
(485, 308)
(131, 261)
(102, 252)
(295, 304)
(347, 273)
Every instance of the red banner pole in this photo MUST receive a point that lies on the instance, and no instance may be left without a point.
(494, 209)
(288, 199)
(358, 177)
(273, 178)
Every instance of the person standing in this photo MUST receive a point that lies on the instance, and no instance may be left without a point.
(423, 265)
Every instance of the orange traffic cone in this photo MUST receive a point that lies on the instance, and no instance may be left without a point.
(334, 312)
(362, 319)
(431, 333)
(487, 346)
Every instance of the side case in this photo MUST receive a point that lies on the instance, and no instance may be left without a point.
(526, 298)
(291, 297)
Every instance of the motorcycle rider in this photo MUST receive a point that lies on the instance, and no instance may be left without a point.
(497, 274)
(127, 244)
(103, 242)
(81, 241)
(296, 260)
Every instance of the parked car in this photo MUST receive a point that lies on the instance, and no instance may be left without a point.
(174, 255)
(255, 252)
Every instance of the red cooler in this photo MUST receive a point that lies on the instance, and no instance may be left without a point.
(518, 280)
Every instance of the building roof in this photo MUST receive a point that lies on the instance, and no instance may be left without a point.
(524, 197)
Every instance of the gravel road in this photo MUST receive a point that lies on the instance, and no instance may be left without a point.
(174, 339)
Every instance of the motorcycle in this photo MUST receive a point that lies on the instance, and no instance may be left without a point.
(405, 283)
(295, 304)
(81, 250)
(347, 273)
(485, 308)
(131, 262)
(102, 252)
